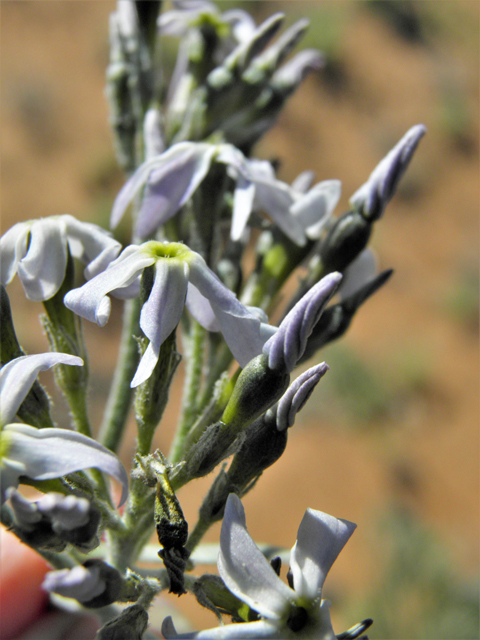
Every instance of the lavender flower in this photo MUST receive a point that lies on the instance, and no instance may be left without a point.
(44, 454)
(37, 251)
(181, 277)
(172, 177)
(285, 612)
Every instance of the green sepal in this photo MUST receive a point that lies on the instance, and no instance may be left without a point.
(346, 239)
(257, 388)
(211, 593)
(131, 623)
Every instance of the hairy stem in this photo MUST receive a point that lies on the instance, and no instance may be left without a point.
(118, 403)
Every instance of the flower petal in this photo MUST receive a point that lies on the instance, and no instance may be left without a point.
(201, 309)
(18, 375)
(242, 206)
(90, 301)
(314, 209)
(162, 311)
(358, 273)
(42, 270)
(373, 196)
(44, 454)
(320, 539)
(276, 198)
(303, 181)
(240, 327)
(13, 247)
(240, 631)
(80, 583)
(287, 345)
(245, 570)
(91, 244)
(294, 71)
(169, 186)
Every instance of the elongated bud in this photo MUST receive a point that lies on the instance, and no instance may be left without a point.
(95, 584)
(147, 13)
(373, 196)
(265, 64)
(355, 632)
(297, 394)
(63, 331)
(286, 347)
(222, 77)
(262, 445)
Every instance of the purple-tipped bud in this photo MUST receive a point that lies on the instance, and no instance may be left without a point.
(25, 512)
(81, 583)
(288, 77)
(94, 584)
(65, 512)
(373, 196)
(286, 346)
(297, 395)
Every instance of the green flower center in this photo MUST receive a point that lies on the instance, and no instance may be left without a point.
(169, 250)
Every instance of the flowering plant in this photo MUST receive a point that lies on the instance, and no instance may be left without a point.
(202, 205)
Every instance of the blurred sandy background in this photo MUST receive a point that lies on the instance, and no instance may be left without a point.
(390, 437)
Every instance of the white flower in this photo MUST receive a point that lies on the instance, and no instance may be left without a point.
(43, 454)
(37, 251)
(185, 15)
(181, 277)
(171, 178)
(299, 211)
(285, 612)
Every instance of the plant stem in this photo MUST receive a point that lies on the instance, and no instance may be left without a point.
(118, 403)
(193, 377)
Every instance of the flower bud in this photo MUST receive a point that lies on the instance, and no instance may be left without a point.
(74, 519)
(373, 196)
(25, 512)
(262, 446)
(257, 388)
(131, 624)
(346, 239)
(297, 394)
(287, 345)
(94, 584)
